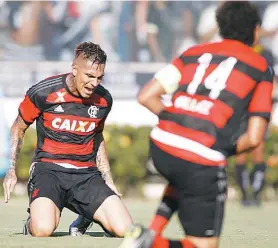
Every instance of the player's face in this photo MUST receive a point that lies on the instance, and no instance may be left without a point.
(87, 77)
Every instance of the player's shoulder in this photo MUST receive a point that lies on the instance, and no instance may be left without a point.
(103, 92)
(46, 85)
(230, 48)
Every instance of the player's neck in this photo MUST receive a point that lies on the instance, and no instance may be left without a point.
(70, 81)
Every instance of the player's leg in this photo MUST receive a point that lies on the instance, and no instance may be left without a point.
(258, 172)
(201, 205)
(242, 177)
(165, 210)
(44, 217)
(167, 207)
(46, 202)
(113, 216)
(93, 199)
(201, 196)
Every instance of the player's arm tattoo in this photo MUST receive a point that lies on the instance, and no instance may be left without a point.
(16, 137)
(103, 163)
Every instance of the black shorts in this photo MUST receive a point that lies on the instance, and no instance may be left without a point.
(80, 190)
(201, 192)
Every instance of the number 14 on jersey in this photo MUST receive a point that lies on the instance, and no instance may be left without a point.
(216, 80)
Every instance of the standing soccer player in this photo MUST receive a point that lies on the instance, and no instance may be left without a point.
(213, 86)
(70, 168)
(255, 179)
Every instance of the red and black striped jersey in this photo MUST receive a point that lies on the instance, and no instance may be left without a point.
(213, 86)
(69, 128)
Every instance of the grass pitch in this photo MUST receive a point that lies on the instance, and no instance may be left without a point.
(243, 227)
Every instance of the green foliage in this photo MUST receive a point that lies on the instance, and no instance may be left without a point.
(26, 154)
(128, 150)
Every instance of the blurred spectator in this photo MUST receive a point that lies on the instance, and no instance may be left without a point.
(207, 29)
(53, 24)
(270, 28)
(261, 5)
(75, 22)
(142, 27)
(185, 25)
(67, 23)
(155, 26)
(126, 41)
(103, 25)
(23, 24)
(4, 33)
(160, 30)
(144, 31)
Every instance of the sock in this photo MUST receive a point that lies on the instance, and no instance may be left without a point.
(257, 179)
(242, 177)
(160, 242)
(166, 209)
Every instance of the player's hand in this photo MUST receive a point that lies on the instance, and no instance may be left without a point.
(9, 183)
(113, 187)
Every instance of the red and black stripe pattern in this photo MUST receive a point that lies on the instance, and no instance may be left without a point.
(69, 128)
(210, 120)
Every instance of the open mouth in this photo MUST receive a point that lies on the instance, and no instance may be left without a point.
(88, 90)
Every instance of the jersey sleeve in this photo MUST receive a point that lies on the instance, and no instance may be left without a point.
(29, 109)
(170, 76)
(261, 102)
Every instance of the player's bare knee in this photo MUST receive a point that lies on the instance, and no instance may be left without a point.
(42, 231)
(120, 232)
(123, 225)
(120, 229)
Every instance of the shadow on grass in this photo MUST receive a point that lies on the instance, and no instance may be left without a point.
(63, 234)
(92, 234)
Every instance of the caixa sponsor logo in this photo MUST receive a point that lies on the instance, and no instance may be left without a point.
(73, 125)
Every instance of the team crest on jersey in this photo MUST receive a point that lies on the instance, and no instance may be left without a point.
(92, 111)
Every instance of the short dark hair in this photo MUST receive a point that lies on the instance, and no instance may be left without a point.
(91, 51)
(237, 20)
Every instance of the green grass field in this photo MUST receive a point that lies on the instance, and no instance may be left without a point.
(243, 227)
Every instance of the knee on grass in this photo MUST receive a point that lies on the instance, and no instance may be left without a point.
(41, 229)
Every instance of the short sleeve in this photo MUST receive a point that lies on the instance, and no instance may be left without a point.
(261, 102)
(29, 108)
(170, 76)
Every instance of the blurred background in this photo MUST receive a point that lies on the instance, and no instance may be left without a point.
(37, 39)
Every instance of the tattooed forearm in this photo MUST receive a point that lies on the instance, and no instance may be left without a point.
(16, 137)
(103, 163)
(10, 173)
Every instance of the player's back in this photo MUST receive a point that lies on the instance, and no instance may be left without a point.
(217, 82)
